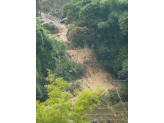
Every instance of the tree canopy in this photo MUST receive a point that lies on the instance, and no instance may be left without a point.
(106, 22)
(59, 108)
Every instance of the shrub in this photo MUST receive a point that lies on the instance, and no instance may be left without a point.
(51, 27)
(69, 70)
(70, 29)
(113, 97)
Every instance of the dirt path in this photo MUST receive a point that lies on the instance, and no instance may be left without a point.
(96, 75)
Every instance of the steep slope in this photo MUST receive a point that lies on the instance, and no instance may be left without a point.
(96, 75)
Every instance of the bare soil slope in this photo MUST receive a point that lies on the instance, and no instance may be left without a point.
(96, 75)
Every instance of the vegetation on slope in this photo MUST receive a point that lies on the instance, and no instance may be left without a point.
(51, 54)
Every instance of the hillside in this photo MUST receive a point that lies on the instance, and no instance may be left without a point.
(86, 53)
(95, 75)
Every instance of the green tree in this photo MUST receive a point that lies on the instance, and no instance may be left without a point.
(59, 108)
(79, 36)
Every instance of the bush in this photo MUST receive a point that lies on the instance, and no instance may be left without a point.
(69, 70)
(55, 14)
(70, 29)
(51, 27)
(113, 97)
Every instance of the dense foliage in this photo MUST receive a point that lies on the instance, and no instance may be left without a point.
(123, 74)
(58, 108)
(113, 97)
(105, 26)
(51, 54)
(51, 28)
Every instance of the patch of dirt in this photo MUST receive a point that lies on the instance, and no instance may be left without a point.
(96, 75)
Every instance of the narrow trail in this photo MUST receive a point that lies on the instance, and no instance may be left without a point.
(95, 75)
